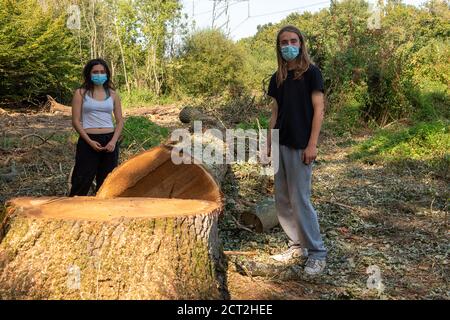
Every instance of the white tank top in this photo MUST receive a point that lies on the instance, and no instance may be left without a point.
(97, 114)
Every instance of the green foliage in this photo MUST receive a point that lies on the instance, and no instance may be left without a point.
(263, 119)
(427, 81)
(137, 97)
(345, 117)
(261, 57)
(38, 54)
(371, 76)
(140, 131)
(211, 65)
(425, 143)
(143, 97)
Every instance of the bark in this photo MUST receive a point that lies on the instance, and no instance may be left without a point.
(124, 248)
(122, 55)
(150, 233)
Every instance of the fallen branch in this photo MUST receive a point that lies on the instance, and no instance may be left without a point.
(240, 225)
(44, 140)
(53, 106)
(240, 253)
(48, 165)
(339, 204)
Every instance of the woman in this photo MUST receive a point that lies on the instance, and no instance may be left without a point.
(93, 105)
(297, 106)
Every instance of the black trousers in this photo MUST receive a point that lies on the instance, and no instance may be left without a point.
(90, 163)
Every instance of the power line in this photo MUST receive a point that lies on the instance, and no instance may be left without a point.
(209, 11)
(241, 23)
(224, 13)
(227, 5)
(289, 10)
(276, 12)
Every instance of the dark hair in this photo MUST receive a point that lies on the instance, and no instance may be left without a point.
(302, 62)
(88, 85)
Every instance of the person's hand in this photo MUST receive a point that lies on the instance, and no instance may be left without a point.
(309, 154)
(110, 147)
(95, 145)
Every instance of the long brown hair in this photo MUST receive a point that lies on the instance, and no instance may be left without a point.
(302, 61)
(88, 85)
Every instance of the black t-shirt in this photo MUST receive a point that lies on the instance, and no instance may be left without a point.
(295, 108)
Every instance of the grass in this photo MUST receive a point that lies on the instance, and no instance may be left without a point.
(12, 142)
(345, 121)
(263, 122)
(144, 98)
(142, 132)
(426, 144)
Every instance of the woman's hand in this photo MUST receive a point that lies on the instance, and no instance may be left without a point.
(309, 154)
(110, 147)
(96, 145)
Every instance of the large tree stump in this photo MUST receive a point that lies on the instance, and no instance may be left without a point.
(150, 233)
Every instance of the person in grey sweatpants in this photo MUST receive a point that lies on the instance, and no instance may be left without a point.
(297, 113)
(295, 211)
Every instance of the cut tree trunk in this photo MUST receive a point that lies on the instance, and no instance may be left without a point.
(55, 107)
(153, 174)
(263, 216)
(150, 233)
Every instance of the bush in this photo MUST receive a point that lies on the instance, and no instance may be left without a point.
(212, 65)
(427, 81)
(347, 109)
(38, 54)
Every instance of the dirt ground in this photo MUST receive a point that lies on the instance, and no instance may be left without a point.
(372, 217)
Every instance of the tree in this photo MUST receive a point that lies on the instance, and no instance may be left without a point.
(212, 64)
(38, 53)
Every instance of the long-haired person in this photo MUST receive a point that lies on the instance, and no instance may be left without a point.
(93, 107)
(297, 112)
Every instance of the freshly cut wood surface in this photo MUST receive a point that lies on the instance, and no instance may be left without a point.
(153, 174)
(94, 209)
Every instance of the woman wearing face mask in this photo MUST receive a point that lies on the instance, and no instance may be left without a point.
(297, 106)
(93, 106)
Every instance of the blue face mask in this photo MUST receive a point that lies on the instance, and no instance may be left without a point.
(289, 53)
(99, 79)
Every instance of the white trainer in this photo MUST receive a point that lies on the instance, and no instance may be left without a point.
(314, 267)
(289, 254)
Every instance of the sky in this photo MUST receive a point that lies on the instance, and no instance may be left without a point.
(246, 15)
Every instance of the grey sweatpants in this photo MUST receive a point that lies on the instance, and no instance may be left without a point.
(293, 201)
